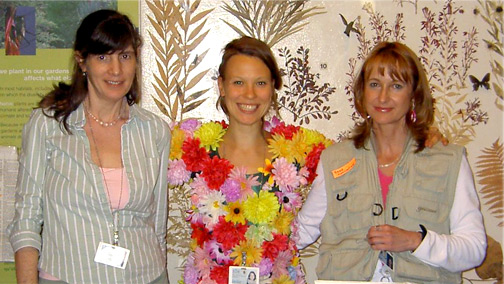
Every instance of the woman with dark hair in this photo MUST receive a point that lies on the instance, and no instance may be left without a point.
(91, 199)
(246, 178)
(386, 207)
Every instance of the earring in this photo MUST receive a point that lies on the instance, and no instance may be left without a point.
(368, 117)
(84, 73)
(413, 113)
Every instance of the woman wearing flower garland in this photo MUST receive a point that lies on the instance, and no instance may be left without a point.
(386, 207)
(246, 178)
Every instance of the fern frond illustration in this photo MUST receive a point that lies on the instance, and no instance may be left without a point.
(270, 20)
(491, 13)
(178, 29)
(381, 31)
(302, 97)
(490, 167)
(447, 71)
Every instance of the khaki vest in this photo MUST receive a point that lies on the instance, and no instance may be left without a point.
(422, 192)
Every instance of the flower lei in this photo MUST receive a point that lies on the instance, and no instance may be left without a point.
(241, 219)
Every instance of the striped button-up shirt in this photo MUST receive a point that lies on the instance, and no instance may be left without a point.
(62, 207)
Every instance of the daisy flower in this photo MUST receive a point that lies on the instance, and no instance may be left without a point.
(216, 251)
(290, 201)
(212, 206)
(246, 249)
(246, 182)
(299, 148)
(280, 147)
(261, 208)
(235, 213)
(281, 263)
(210, 135)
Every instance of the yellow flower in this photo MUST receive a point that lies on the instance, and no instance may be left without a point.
(284, 279)
(300, 148)
(250, 250)
(313, 138)
(267, 170)
(210, 134)
(261, 208)
(177, 140)
(295, 261)
(281, 147)
(235, 213)
(282, 222)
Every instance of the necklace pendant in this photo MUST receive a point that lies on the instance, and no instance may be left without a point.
(116, 238)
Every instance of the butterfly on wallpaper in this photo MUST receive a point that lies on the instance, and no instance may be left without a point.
(348, 26)
(485, 82)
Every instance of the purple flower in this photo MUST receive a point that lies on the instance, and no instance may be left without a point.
(265, 267)
(270, 125)
(190, 272)
(190, 125)
(231, 190)
(177, 172)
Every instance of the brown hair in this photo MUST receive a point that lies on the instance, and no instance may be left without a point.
(101, 32)
(256, 48)
(401, 63)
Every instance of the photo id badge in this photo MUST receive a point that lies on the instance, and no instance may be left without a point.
(243, 275)
(112, 255)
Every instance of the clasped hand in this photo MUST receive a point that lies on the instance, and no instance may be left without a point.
(392, 238)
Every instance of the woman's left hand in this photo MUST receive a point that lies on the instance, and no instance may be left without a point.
(434, 136)
(392, 238)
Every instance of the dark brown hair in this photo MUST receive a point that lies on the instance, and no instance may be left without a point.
(401, 63)
(101, 32)
(256, 48)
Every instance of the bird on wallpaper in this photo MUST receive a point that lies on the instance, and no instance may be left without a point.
(485, 82)
(349, 27)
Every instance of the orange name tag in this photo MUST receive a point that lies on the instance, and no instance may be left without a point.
(344, 169)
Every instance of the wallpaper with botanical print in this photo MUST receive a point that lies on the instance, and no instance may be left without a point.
(319, 47)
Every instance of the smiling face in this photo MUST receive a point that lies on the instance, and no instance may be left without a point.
(387, 99)
(247, 89)
(110, 76)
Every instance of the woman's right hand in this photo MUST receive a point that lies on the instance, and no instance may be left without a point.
(27, 265)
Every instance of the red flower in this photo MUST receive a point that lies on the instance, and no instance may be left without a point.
(220, 273)
(312, 161)
(193, 155)
(278, 244)
(199, 233)
(287, 131)
(215, 171)
(223, 123)
(228, 234)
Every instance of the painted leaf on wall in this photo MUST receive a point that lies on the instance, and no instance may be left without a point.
(490, 167)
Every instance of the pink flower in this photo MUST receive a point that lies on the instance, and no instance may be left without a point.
(189, 126)
(291, 201)
(217, 252)
(285, 175)
(282, 261)
(246, 183)
(202, 261)
(177, 172)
